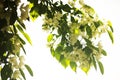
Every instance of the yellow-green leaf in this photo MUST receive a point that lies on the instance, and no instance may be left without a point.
(111, 36)
(65, 62)
(50, 37)
(85, 69)
(33, 15)
(27, 37)
(110, 25)
(73, 66)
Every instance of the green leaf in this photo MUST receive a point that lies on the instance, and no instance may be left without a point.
(88, 41)
(77, 12)
(72, 19)
(19, 28)
(110, 24)
(6, 72)
(43, 8)
(57, 56)
(23, 48)
(85, 69)
(94, 62)
(66, 7)
(22, 73)
(21, 24)
(29, 69)
(78, 44)
(22, 41)
(88, 51)
(50, 37)
(73, 65)
(34, 13)
(69, 48)
(27, 37)
(89, 9)
(101, 67)
(14, 28)
(64, 61)
(98, 23)
(52, 51)
(24, 34)
(111, 36)
(104, 52)
(59, 49)
(33, 1)
(89, 31)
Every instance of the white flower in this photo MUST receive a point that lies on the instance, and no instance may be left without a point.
(81, 2)
(99, 46)
(16, 49)
(49, 21)
(21, 61)
(58, 15)
(84, 64)
(21, 64)
(71, 2)
(55, 22)
(13, 59)
(16, 74)
(14, 62)
(22, 58)
(73, 39)
(15, 65)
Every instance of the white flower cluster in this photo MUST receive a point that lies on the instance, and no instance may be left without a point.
(79, 56)
(54, 22)
(17, 63)
(71, 3)
(75, 32)
(16, 45)
(74, 2)
(81, 2)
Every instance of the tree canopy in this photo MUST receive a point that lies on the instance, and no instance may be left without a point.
(74, 34)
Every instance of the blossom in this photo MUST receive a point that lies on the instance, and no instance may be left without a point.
(99, 46)
(13, 59)
(21, 61)
(58, 15)
(16, 74)
(81, 2)
(85, 65)
(71, 2)
(55, 22)
(73, 38)
(14, 62)
(52, 21)
(22, 58)
(21, 64)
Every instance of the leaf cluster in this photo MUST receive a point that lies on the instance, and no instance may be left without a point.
(11, 42)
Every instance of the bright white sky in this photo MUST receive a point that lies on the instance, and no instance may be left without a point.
(45, 67)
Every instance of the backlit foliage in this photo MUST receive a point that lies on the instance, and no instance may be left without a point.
(74, 34)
